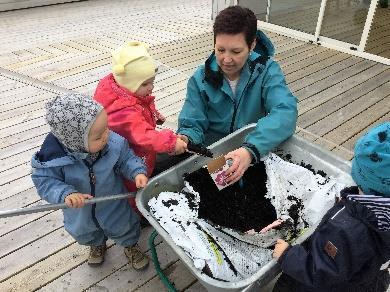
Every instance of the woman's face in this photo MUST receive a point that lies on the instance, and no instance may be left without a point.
(231, 51)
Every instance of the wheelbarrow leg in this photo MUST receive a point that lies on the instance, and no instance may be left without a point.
(163, 278)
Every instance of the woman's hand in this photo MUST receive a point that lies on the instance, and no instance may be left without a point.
(76, 200)
(141, 180)
(241, 160)
(280, 247)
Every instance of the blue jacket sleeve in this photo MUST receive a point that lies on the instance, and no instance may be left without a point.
(281, 113)
(350, 250)
(193, 121)
(130, 165)
(50, 185)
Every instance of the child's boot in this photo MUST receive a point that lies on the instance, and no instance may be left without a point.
(96, 255)
(137, 258)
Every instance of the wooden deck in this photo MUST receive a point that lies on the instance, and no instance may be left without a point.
(64, 47)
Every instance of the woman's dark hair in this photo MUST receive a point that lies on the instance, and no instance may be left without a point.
(235, 20)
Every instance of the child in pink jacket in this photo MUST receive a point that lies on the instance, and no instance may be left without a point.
(126, 96)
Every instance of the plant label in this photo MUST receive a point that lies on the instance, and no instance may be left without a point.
(217, 168)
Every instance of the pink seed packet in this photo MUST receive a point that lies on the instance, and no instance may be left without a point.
(217, 168)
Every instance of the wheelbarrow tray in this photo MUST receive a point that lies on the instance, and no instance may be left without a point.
(172, 180)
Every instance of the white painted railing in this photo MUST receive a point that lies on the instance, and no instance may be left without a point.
(219, 5)
(19, 4)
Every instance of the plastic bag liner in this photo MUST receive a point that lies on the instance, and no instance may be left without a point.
(296, 193)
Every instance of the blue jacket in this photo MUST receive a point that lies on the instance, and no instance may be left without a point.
(56, 173)
(210, 111)
(346, 251)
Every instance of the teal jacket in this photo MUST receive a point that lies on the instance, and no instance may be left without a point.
(210, 111)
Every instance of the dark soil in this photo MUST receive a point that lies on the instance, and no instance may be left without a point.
(240, 208)
(308, 166)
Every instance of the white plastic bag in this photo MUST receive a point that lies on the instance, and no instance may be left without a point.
(231, 255)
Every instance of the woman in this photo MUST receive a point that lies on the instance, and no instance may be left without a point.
(239, 84)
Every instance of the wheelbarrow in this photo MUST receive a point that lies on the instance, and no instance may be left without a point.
(298, 150)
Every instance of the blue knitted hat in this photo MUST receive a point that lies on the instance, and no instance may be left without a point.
(371, 162)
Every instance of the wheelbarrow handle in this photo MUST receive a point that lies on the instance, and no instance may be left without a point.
(48, 207)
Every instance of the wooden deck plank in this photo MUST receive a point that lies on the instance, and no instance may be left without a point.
(37, 229)
(314, 100)
(9, 189)
(307, 61)
(339, 77)
(362, 120)
(196, 287)
(31, 254)
(125, 279)
(20, 158)
(27, 198)
(315, 67)
(176, 273)
(60, 261)
(349, 144)
(314, 77)
(340, 101)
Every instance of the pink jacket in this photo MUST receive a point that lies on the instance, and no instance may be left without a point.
(134, 118)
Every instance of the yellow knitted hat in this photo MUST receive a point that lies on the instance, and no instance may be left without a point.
(132, 65)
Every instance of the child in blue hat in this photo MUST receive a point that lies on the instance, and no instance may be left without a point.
(350, 249)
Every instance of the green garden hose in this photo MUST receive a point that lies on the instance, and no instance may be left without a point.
(163, 278)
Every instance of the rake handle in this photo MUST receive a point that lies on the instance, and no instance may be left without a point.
(49, 207)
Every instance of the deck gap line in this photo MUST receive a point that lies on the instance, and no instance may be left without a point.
(155, 276)
(360, 131)
(321, 138)
(349, 120)
(335, 110)
(29, 266)
(340, 81)
(31, 241)
(321, 69)
(365, 110)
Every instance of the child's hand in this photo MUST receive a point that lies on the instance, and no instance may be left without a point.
(76, 200)
(183, 137)
(180, 146)
(280, 247)
(274, 224)
(160, 119)
(141, 180)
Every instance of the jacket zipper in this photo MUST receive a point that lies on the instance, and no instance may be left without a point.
(92, 183)
(236, 105)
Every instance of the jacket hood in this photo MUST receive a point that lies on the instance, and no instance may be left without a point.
(70, 117)
(121, 99)
(374, 212)
(54, 154)
(51, 154)
(264, 46)
(263, 50)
